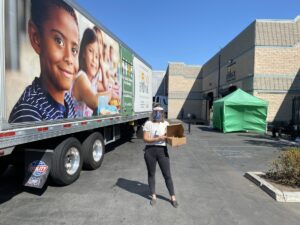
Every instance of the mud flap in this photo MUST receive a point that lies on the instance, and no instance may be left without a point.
(37, 167)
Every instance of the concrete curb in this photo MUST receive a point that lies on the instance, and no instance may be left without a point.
(278, 195)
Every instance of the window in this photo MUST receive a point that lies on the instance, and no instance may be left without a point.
(231, 68)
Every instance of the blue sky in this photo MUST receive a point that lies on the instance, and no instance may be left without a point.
(189, 31)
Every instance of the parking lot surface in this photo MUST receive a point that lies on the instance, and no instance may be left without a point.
(208, 174)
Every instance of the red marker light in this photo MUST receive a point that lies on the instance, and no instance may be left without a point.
(41, 129)
(7, 134)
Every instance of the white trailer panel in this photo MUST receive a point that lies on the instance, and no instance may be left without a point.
(143, 86)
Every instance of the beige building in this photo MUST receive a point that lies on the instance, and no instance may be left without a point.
(184, 90)
(158, 82)
(264, 60)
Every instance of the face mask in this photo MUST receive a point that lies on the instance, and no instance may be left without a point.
(157, 115)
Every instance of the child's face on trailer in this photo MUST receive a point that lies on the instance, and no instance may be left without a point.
(58, 46)
(92, 58)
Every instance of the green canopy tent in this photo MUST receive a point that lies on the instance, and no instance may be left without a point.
(240, 111)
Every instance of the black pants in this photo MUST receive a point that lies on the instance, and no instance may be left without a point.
(158, 154)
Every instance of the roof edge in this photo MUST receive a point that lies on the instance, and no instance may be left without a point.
(280, 20)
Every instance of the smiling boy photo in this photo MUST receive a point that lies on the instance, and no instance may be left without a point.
(54, 35)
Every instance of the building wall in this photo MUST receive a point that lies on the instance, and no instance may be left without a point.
(158, 83)
(277, 66)
(240, 54)
(266, 58)
(263, 60)
(280, 105)
(184, 90)
(185, 106)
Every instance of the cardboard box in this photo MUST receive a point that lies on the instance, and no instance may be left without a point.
(175, 135)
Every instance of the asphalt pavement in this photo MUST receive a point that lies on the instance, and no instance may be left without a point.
(208, 174)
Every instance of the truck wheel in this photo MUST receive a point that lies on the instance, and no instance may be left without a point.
(93, 151)
(66, 162)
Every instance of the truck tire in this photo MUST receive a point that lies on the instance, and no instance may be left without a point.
(66, 162)
(93, 151)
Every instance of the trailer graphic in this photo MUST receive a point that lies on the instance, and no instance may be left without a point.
(68, 87)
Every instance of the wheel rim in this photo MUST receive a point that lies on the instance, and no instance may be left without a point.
(97, 150)
(72, 161)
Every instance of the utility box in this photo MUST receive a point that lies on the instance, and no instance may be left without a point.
(175, 135)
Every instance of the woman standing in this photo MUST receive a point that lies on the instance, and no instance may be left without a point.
(156, 151)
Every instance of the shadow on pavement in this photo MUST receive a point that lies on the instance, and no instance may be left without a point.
(112, 146)
(258, 136)
(11, 181)
(288, 141)
(138, 188)
(11, 185)
(275, 144)
(208, 129)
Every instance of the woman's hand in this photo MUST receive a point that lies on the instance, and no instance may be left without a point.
(162, 138)
(148, 139)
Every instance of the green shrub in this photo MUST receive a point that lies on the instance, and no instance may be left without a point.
(286, 169)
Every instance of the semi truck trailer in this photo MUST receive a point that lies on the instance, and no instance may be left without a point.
(68, 87)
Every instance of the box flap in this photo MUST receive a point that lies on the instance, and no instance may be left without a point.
(175, 130)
